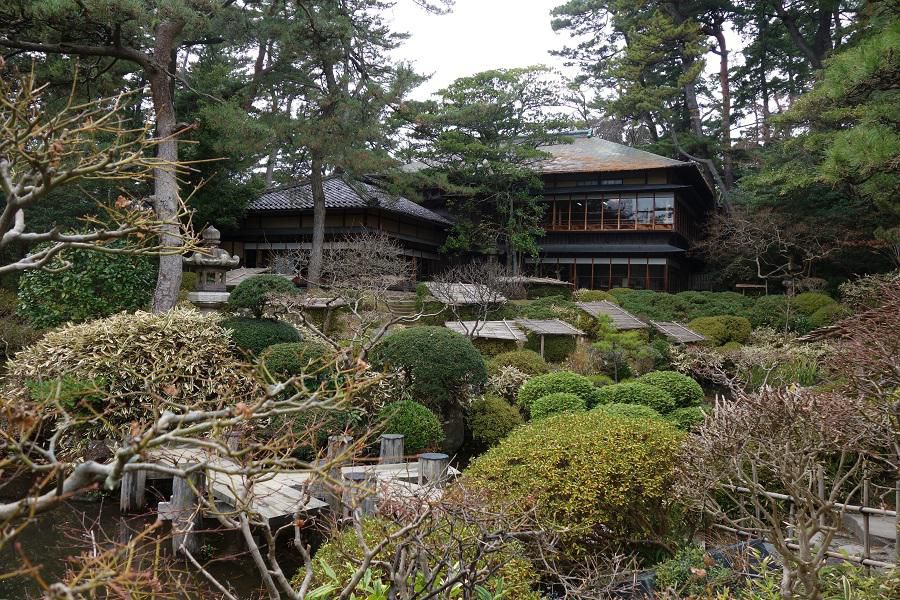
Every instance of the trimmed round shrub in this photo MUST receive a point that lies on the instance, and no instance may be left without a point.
(684, 390)
(554, 404)
(631, 411)
(722, 329)
(96, 285)
(180, 354)
(687, 418)
(250, 294)
(600, 380)
(335, 562)
(556, 347)
(560, 381)
(730, 347)
(255, 335)
(491, 418)
(294, 358)
(420, 426)
(809, 302)
(527, 361)
(637, 393)
(439, 364)
(828, 314)
(600, 480)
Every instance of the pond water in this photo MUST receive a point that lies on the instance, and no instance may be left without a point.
(79, 526)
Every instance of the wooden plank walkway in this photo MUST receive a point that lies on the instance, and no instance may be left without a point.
(282, 493)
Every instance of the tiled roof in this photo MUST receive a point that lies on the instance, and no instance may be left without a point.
(341, 194)
(590, 153)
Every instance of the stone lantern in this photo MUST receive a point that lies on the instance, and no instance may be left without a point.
(210, 264)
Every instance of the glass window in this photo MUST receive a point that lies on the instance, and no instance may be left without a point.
(611, 212)
(645, 209)
(562, 215)
(665, 209)
(628, 213)
(611, 182)
(578, 214)
(594, 212)
(657, 277)
(601, 277)
(619, 274)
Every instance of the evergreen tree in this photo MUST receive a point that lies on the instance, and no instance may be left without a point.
(483, 144)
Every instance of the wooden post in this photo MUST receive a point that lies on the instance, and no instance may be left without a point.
(391, 449)
(867, 541)
(433, 468)
(132, 494)
(359, 494)
(542, 346)
(335, 458)
(185, 511)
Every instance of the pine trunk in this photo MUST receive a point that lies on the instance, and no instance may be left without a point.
(318, 236)
(726, 110)
(165, 181)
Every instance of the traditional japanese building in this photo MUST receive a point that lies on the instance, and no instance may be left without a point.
(620, 217)
(616, 217)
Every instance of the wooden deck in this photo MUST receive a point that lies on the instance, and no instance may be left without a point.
(283, 493)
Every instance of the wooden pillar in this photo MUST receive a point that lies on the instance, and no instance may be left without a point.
(185, 511)
(132, 494)
(542, 345)
(335, 458)
(391, 449)
(359, 494)
(433, 468)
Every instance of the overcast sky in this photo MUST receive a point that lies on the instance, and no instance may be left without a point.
(478, 35)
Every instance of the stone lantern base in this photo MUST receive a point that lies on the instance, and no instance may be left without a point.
(208, 301)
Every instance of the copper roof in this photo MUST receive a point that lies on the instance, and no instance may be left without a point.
(591, 153)
(341, 194)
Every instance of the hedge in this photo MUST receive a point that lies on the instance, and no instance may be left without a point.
(683, 390)
(334, 563)
(828, 314)
(560, 381)
(250, 294)
(491, 418)
(255, 335)
(632, 411)
(599, 480)
(527, 361)
(554, 404)
(95, 285)
(722, 329)
(439, 364)
(809, 302)
(492, 347)
(687, 418)
(421, 427)
(637, 393)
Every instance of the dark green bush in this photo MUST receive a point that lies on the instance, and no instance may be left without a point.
(632, 411)
(83, 397)
(549, 307)
(688, 575)
(722, 329)
(491, 418)
(420, 426)
(250, 294)
(601, 480)
(8, 303)
(687, 418)
(600, 380)
(637, 393)
(658, 306)
(730, 347)
(554, 404)
(828, 314)
(294, 358)
(15, 335)
(809, 302)
(491, 347)
(683, 390)
(560, 381)
(778, 312)
(535, 291)
(527, 361)
(556, 347)
(96, 285)
(511, 573)
(439, 364)
(714, 304)
(255, 335)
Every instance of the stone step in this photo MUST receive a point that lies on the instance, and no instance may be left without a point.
(882, 528)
